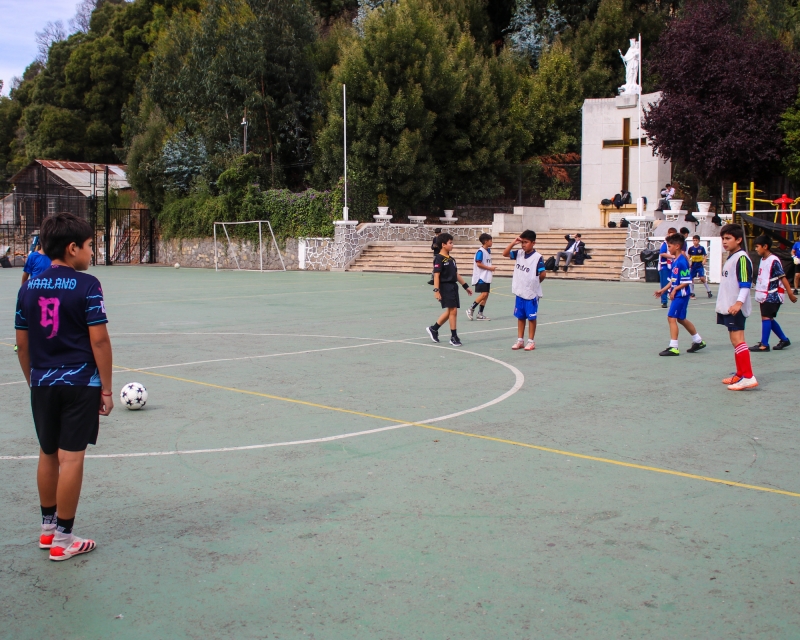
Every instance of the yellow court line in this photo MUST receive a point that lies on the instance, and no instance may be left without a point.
(6, 344)
(560, 452)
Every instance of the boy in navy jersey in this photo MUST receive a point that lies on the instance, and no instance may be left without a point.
(65, 354)
(678, 287)
(482, 272)
(697, 258)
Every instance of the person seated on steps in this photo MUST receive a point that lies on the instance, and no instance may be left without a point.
(574, 247)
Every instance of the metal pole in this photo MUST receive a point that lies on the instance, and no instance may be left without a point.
(345, 210)
(244, 124)
(639, 110)
(107, 216)
(260, 249)
(216, 260)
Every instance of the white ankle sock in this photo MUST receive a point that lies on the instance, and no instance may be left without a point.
(696, 338)
(673, 344)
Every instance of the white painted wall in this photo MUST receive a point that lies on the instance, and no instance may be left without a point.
(601, 169)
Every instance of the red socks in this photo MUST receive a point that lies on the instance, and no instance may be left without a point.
(742, 355)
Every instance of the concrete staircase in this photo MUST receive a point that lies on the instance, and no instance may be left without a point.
(606, 246)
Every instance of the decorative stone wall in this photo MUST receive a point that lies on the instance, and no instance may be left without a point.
(636, 242)
(199, 252)
(349, 241)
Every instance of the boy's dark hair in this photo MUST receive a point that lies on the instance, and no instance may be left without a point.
(764, 241)
(685, 231)
(671, 230)
(484, 237)
(695, 237)
(444, 238)
(528, 235)
(577, 235)
(60, 231)
(733, 230)
(437, 230)
(675, 238)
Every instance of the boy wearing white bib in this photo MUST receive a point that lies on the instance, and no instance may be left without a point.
(526, 285)
(771, 285)
(482, 272)
(734, 304)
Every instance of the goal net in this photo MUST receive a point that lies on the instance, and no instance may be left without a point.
(246, 246)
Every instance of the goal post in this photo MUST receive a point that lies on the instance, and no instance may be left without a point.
(229, 239)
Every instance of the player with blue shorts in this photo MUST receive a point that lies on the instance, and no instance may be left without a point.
(697, 257)
(678, 287)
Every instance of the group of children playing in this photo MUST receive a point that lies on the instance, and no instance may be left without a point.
(681, 265)
(65, 351)
(734, 304)
(526, 285)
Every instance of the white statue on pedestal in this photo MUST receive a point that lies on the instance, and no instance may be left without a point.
(632, 59)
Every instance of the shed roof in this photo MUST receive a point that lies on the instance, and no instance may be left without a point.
(78, 175)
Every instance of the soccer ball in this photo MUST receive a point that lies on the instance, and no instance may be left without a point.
(177, 265)
(133, 396)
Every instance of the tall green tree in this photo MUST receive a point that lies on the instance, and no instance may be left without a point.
(423, 112)
(237, 57)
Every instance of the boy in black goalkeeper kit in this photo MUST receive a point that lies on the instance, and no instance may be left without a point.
(445, 289)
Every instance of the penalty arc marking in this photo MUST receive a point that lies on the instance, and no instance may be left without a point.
(519, 380)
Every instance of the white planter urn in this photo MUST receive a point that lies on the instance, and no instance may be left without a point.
(448, 213)
(703, 207)
(675, 205)
(382, 211)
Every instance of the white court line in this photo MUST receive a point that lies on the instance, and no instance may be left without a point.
(270, 355)
(519, 380)
(3, 384)
(240, 333)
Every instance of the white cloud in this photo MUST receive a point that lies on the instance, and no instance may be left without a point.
(21, 19)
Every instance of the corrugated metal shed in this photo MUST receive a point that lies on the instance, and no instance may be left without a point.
(83, 176)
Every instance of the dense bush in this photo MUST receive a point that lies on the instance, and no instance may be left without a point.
(307, 214)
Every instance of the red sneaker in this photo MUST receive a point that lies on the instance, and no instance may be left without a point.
(733, 379)
(46, 537)
(76, 547)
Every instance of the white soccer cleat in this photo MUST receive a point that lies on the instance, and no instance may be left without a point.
(480, 316)
(519, 344)
(744, 383)
(530, 346)
(470, 312)
(76, 547)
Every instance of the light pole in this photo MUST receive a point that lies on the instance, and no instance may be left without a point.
(345, 210)
(244, 124)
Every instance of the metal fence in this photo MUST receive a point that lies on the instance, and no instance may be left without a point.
(123, 236)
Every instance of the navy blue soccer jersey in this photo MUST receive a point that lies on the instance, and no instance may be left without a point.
(697, 254)
(775, 274)
(680, 275)
(56, 309)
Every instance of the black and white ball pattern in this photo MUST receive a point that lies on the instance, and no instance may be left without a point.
(133, 396)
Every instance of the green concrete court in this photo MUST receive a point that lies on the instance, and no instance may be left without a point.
(283, 493)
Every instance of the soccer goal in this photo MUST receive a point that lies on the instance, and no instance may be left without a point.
(244, 243)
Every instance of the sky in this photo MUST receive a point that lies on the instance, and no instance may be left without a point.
(21, 20)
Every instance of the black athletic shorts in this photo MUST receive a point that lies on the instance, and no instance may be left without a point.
(770, 309)
(449, 291)
(734, 323)
(66, 417)
(483, 287)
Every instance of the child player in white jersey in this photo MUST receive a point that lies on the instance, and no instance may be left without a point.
(482, 271)
(734, 304)
(771, 284)
(697, 257)
(526, 284)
